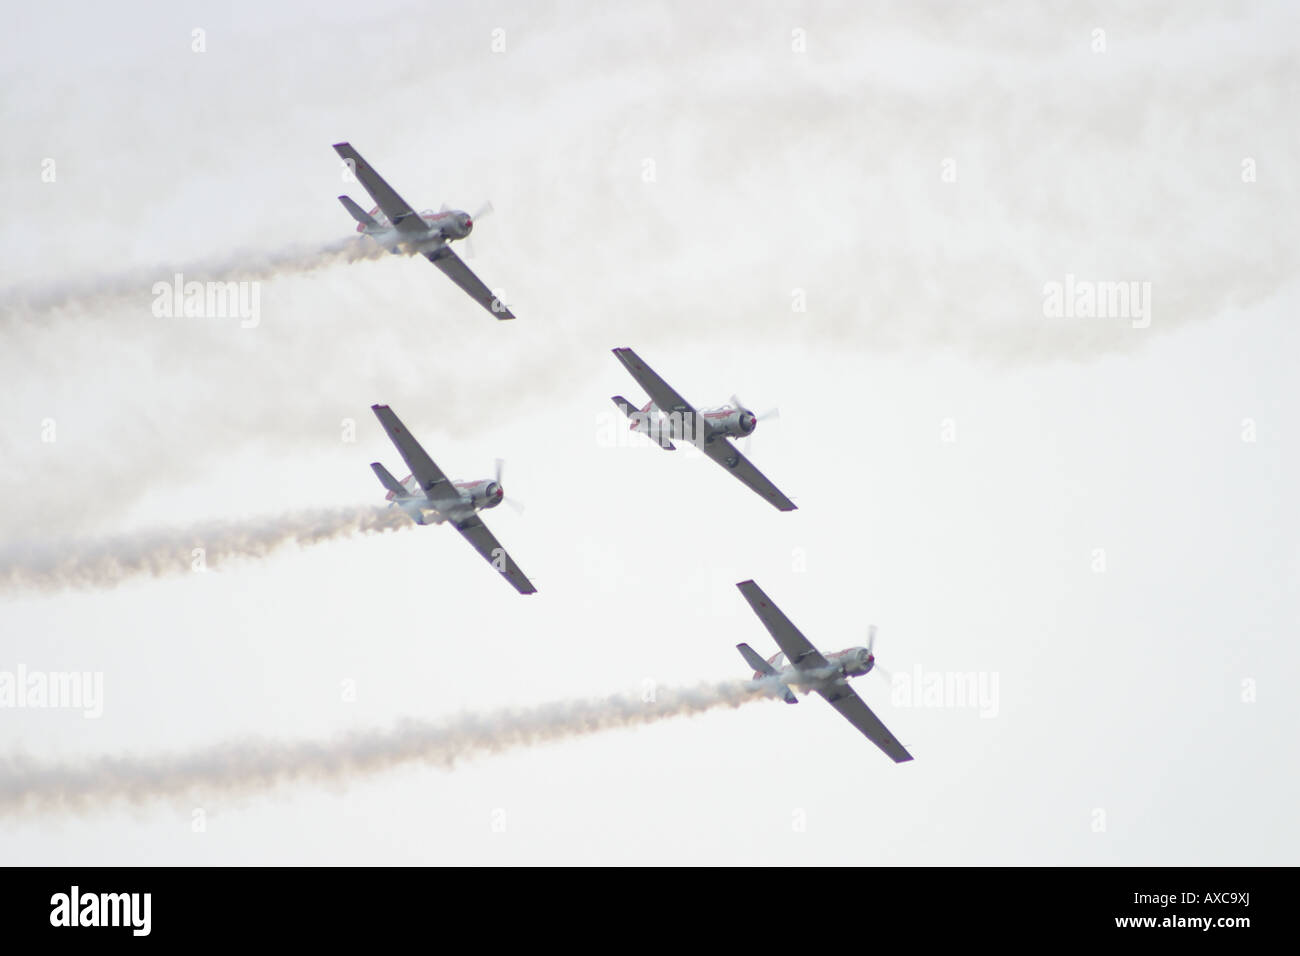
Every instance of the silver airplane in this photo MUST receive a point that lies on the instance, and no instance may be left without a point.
(808, 669)
(400, 229)
(428, 497)
(668, 416)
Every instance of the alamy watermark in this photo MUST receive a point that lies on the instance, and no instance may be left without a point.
(946, 689)
(209, 300)
(22, 689)
(642, 428)
(1088, 299)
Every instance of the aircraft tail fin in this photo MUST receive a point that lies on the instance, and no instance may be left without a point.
(395, 489)
(359, 214)
(641, 419)
(763, 669)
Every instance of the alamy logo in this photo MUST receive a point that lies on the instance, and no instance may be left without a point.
(1086, 299)
(208, 300)
(947, 689)
(53, 690)
(102, 909)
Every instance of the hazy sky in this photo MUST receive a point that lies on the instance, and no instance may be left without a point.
(856, 214)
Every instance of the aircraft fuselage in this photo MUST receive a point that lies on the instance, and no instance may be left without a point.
(440, 228)
(471, 497)
(853, 662)
(725, 421)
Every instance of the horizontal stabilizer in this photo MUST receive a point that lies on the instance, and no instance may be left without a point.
(359, 214)
(641, 423)
(388, 481)
(763, 667)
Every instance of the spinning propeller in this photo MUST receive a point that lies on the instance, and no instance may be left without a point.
(500, 469)
(483, 212)
(871, 649)
(770, 413)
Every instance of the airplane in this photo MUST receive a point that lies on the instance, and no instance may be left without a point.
(668, 416)
(809, 669)
(400, 229)
(428, 497)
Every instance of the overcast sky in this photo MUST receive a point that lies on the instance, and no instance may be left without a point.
(855, 214)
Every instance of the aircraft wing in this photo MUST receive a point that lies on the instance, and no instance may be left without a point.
(843, 698)
(429, 475)
(477, 534)
(664, 396)
(454, 268)
(798, 649)
(728, 456)
(398, 210)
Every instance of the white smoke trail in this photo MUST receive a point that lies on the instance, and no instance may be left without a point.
(107, 562)
(244, 767)
(86, 298)
(889, 254)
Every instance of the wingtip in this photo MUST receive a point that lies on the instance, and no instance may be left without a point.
(741, 584)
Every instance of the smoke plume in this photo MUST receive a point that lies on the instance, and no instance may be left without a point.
(245, 767)
(88, 297)
(107, 562)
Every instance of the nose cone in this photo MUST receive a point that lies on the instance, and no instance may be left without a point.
(468, 225)
(748, 422)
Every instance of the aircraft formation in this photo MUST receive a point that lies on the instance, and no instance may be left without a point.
(427, 496)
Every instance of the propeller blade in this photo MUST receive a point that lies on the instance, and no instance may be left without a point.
(500, 470)
(468, 242)
(770, 413)
(876, 666)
